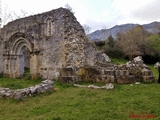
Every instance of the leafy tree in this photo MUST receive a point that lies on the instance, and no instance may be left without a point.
(110, 47)
(132, 42)
(153, 45)
(111, 41)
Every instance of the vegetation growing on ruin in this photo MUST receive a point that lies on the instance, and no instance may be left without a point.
(118, 61)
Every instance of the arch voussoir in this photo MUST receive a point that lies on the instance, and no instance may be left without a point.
(18, 43)
(13, 63)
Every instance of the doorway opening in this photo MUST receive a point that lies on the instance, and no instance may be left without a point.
(25, 62)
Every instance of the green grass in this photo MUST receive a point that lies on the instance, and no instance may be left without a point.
(118, 61)
(26, 72)
(70, 103)
(67, 102)
(154, 71)
(18, 83)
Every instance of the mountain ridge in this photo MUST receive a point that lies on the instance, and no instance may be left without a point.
(103, 34)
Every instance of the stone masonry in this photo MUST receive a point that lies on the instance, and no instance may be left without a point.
(45, 43)
(46, 85)
(131, 72)
(53, 45)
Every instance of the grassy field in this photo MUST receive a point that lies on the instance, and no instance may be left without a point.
(70, 103)
(67, 102)
(18, 83)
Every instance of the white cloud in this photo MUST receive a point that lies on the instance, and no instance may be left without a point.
(126, 6)
(94, 13)
(105, 13)
(148, 12)
(81, 13)
(134, 11)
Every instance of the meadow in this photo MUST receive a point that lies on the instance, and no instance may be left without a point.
(67, 102)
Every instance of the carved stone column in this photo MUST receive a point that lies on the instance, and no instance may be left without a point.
(34, 68)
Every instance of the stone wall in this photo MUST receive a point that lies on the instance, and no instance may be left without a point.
(131, 72)
(58, 47)
(1, 55)
(90, 56)
(54, 39)
(45, 86)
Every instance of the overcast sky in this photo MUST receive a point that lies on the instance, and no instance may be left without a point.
(97, 14)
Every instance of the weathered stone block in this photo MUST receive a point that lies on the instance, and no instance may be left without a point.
(146, 72)
(46, 85)
(68, 79)
(109, 72)
(125, 79)
(68, 71)
(112, 79)
(148, 78)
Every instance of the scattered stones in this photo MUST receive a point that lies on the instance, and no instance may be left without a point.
(106, 57)
(107, 86)
(137, 83)
(156, 65)
(136, 62)
(46, 85)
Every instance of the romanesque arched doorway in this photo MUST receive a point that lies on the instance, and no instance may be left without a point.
(24, 60)
(19, 54)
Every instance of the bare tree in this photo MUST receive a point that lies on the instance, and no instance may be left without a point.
(87, 28)
(67, 6)
(104, 27)
(8, 15)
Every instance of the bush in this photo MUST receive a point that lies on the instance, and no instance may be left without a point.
(114, 52)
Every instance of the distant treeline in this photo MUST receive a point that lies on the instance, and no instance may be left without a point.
(135, 42)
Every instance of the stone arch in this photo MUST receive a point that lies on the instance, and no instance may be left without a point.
(14, 57)
(20, 42)
(48, 28)
(17, 64)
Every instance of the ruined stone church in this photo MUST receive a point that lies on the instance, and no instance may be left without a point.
(45, 43)
(53, 45)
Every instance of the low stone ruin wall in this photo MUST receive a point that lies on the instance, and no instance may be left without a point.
(131, 72)
(46, 85)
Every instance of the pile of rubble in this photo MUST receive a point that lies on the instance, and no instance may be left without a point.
(46, 85)
(131, 72)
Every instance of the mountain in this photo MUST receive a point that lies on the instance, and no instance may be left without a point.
(105, 33)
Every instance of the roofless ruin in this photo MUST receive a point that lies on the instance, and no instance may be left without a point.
(53, 45)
